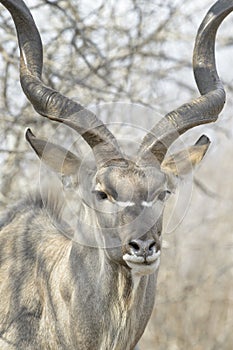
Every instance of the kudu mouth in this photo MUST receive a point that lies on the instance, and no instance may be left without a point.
(143, 266)
(142, 256)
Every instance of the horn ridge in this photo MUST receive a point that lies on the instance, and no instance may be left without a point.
(202, 110)
(48, 102)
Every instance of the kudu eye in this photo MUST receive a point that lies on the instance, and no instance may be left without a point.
(164, 195)
(100, 195)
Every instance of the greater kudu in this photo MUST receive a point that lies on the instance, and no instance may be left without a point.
(55, 292)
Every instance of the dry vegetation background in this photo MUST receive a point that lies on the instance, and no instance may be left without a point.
(139, 51)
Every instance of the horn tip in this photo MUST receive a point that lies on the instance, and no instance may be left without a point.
(203, 140)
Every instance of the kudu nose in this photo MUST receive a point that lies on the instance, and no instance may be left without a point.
(142, 248)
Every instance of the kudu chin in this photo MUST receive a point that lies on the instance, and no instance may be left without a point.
(55, 292)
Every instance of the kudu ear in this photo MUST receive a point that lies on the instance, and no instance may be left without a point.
(54, 156)
(181, 163)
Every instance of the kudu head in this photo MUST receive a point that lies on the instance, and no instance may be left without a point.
(127, 195)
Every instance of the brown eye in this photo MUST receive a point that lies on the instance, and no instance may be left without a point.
(100, 195)
(163, 195)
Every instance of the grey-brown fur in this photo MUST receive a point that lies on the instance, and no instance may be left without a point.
(91, 285)
(52, 299)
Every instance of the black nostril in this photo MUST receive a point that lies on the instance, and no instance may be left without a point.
(142, 248)
(134, 245)
(151, 246)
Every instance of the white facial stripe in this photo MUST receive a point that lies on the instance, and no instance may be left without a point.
(131, 204)
(147, 204)
(125, 204)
